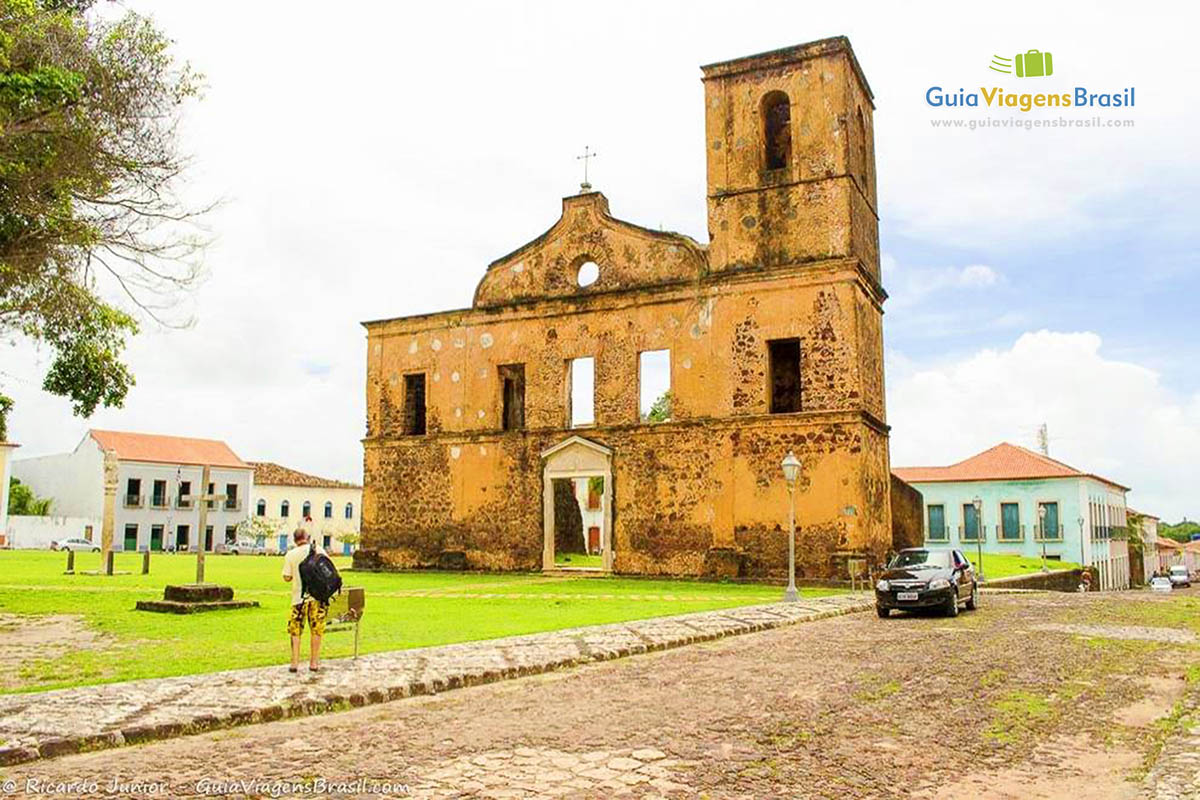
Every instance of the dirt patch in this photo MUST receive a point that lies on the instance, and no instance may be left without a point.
(27, 640)
(1056, 773)
(1129, 632)
(1162, 693)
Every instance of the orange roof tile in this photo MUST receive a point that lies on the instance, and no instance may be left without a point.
(267, 473)
(1003, 462)
(167, 449)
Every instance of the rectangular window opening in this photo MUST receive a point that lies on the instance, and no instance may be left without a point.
(654, 386)
(581, 391)
(784, 358)
(937, 523)
(1010, 522)
(512, 396)
(1048, 524)
(414, 404)
(970, 523)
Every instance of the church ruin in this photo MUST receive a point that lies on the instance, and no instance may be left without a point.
(773, 333)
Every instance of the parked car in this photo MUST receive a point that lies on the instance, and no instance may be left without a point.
(246, 546)
(922, 578)
(75, 543)
(1160, 583)
(1179, 576)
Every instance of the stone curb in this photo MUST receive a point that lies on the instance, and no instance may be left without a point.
(344, 701)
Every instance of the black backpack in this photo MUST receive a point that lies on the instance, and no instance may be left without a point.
(319, 578)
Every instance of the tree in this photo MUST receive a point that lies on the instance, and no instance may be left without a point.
(22, 502)
(660, 410)
(88, 166)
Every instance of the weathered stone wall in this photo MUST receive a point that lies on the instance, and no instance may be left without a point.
(680, 489)
(908, 516)
(794, 254)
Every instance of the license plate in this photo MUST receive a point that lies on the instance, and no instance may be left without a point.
(906, 596)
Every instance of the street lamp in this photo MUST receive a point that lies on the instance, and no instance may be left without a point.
(1082, 555)
(978, 503)
(1042, 534)
(791, 474)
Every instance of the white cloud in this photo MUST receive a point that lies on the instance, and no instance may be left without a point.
(1104, 415)
(909, 286)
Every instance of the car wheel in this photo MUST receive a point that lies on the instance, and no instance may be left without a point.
(95, 549)
(882, 612)
(973, 601)
(952, 604)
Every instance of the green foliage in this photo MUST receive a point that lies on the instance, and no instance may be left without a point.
(1180, 531)
(88, 163)
(660, 410)
(6, 405)
(22, 502)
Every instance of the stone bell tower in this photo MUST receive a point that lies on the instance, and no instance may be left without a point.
(791, 159)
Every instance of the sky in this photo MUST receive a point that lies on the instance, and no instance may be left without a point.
(373, 158)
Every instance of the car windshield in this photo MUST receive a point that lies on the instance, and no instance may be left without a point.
(921, 559)
(1179, 569)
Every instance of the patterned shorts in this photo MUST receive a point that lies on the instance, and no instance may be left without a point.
(309, 611)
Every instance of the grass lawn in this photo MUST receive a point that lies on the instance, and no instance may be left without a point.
(1003, 566)
(403, 610)
(579, 560)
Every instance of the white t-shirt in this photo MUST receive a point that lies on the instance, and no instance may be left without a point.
(291, 566)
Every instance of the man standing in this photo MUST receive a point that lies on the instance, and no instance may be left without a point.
(304, 609)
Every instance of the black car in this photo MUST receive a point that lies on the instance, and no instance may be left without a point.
(922, 578)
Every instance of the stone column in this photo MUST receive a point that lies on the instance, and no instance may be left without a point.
(547, 522)
(6, 453)
(110, 506)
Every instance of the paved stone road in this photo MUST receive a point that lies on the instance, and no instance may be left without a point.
(991, 705)
(53, 723)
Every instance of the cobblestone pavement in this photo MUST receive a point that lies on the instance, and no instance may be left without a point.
(986, 705)
(47, 724)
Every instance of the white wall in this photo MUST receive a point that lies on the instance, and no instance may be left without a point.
(273, 496)
(74, 481)
(36, 533)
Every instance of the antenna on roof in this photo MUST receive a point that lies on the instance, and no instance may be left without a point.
(1043, 439)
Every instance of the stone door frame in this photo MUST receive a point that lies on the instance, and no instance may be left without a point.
(576, 457)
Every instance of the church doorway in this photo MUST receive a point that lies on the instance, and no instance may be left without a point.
(577, 506)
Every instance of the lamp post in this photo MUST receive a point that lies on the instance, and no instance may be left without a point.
(1082, 554)
(978, 503)
(791, 474)
(1042, 534)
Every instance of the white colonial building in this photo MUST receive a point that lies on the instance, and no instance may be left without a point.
(158, 478)
(285, 499)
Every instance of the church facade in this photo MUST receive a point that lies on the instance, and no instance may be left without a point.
(773, 335)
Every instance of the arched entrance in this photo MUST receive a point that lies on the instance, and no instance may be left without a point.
(581, 462)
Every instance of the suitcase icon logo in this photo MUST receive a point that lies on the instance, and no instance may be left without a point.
(1030, 64)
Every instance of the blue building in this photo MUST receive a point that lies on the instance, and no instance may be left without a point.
(1028, 503)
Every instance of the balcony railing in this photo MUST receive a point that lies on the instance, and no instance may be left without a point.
(134, 500)
(233, 504)
(965, 536)
(1104, 532)
(1048, 534)
(1003, 535)
(183, 501)
(158, 501)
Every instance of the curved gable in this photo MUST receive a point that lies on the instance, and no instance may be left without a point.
(628, 256)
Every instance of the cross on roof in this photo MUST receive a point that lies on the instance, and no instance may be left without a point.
(587, 155)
